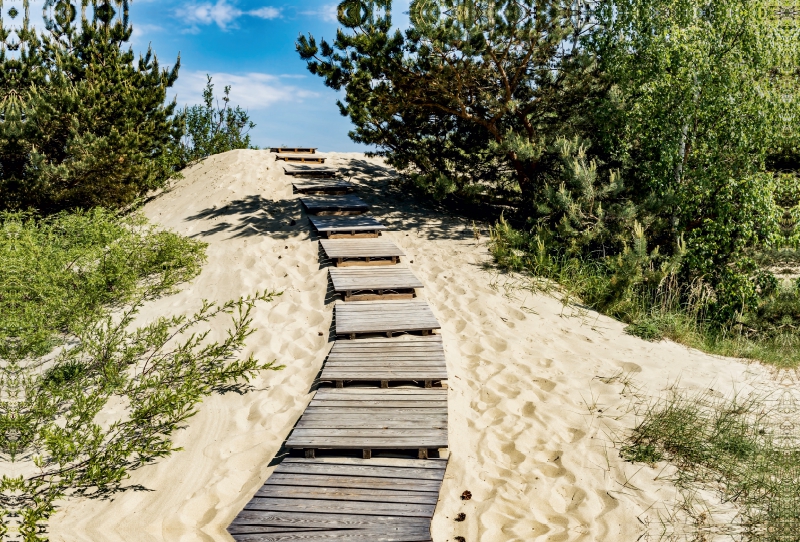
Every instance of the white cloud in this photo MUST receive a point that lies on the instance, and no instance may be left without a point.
(265, 13)
(327, 13)
(223, 14)
(142, 31)
(251, 91)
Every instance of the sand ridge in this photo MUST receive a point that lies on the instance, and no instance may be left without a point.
(533, 428)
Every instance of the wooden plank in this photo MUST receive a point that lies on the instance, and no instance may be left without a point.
(353, 473)
(395, 422)
(300, 158)
(339, 535)
(370, 431)
(393, 364)
(348, 494)
(390, 355)
(340, 410)
(323, 521)
(375, 443)
(360, 248)
(322, 186)
(381, 317)
(309, 170)
(366, 482)
(369, 406)
(376, 368)
(395, 395)
(358, 280)
(334, 204)
(340, 507)
(332, 226)
(360, 465)
(412, 376)
(359, 535)
(295, 150)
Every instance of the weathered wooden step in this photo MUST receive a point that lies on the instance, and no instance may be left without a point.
(295, 150)
(301, 158)
(328, 427)
(372, 284)
(348, 252)
(346, 227)
(344, 500)
(322, 186)
(334, 205)
(309, 170)
(389, 317)
(403, 359)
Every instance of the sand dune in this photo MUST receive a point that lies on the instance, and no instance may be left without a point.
(533, 429)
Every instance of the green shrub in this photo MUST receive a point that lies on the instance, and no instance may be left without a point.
(742, 448)
(211, 129)
(71, 286)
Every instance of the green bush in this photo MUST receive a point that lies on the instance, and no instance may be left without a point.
(211, 129)
(71, 286)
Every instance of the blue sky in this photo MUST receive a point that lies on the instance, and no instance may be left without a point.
(249, 45)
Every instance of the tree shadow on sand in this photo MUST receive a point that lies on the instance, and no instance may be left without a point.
(255, 215)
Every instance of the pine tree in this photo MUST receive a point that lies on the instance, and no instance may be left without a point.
(83, 123)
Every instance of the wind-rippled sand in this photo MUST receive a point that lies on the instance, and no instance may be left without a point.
(535, 413)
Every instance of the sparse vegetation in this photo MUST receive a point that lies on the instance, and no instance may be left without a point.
(214, 129)
(71, 287)
(741, 447)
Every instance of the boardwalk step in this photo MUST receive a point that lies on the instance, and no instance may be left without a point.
(322, 186)
(358, 284)
(302, 158)
(295, 150)
(309, 170)
(346, 252)
(353, 226)
(403, 359)
(334, 204)
(352, 500)
(359, 317)
(325, 423)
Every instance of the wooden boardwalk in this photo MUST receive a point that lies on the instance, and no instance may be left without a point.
(322, 186)
(345, 252)
(295, 150)
(373, 499)
(346, 227)
(345, 500)
(334, 205)
(389, 317)
(308, 170)
(367, 419)
(386, 360)
(374, 284)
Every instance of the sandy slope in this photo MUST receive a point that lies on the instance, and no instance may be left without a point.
(532, 428)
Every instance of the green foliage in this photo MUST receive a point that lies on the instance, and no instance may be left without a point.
(82, 122)
(470, 93)
(603, 123)
(71, 287)
(60, 273)
(644, 289)
(739, 447)
(211, 129)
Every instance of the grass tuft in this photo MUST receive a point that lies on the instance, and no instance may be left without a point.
(743, 447)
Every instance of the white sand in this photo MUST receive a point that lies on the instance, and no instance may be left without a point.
(533, 431)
